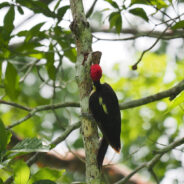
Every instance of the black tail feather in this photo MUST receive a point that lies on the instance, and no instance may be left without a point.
(101, 152)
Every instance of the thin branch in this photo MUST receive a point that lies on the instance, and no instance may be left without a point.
(15, 105)
(120, 39)
(125, 179)
(137, 33)
(150, 164)
(29, 70)
(134, 67)
(43, 108)
(172, 92)
(154, 176)
(66, 133)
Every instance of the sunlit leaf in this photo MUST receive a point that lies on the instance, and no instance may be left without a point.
(158, 3)
(71, 54)
(177, 101)
(140, 13)
(44, 182)
(46, 174)
(21, 172)
(153, 64)
(38, 55)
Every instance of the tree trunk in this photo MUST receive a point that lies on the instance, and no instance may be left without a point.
(81, 29)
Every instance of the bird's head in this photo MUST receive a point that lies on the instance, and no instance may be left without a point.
(95, 72)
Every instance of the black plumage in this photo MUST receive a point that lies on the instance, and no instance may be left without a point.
(103, 104)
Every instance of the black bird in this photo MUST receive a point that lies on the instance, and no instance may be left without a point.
(103, 104)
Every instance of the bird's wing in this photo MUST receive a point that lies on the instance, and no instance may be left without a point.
(105, 109)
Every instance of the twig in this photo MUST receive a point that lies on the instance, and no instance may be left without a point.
(66, 133)
(75, 154)
(150, 164)
(43, 108)
(15, 105)
(134, 67)
(29, 70)
(174, 91)
(125, 179)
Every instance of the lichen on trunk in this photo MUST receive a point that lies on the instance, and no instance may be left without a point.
(81, 29)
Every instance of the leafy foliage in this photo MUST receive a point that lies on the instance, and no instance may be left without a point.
(30, 145)
(115, 21)
(37, 67)
(178, 25)
(139, 12)
(4, 138)
(21, 172)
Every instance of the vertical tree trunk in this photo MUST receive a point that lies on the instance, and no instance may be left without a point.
(81, 29)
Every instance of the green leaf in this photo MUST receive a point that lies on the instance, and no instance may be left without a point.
(11, 81)
(158, 3)
(8, 23)
(37, 54)
(71, 54)
(30, 145)
(139, 12)
(116, 21)
(0, 71)
(5, 136)
(57, 5)
(44, 182)
(113, 3)
(51, 70)
(61, 12)
(139, 2)
(3, 5)
(37, 7)
(177, 101)
(178, 25)
(21, 172)
(1, 181)
(21, 11)
(34, 31)
(46, 174)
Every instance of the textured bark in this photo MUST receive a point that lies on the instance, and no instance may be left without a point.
(81, 30)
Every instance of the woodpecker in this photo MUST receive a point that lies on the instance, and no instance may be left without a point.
(103, 104)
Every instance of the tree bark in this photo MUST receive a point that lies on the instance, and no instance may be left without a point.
(81, 29)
